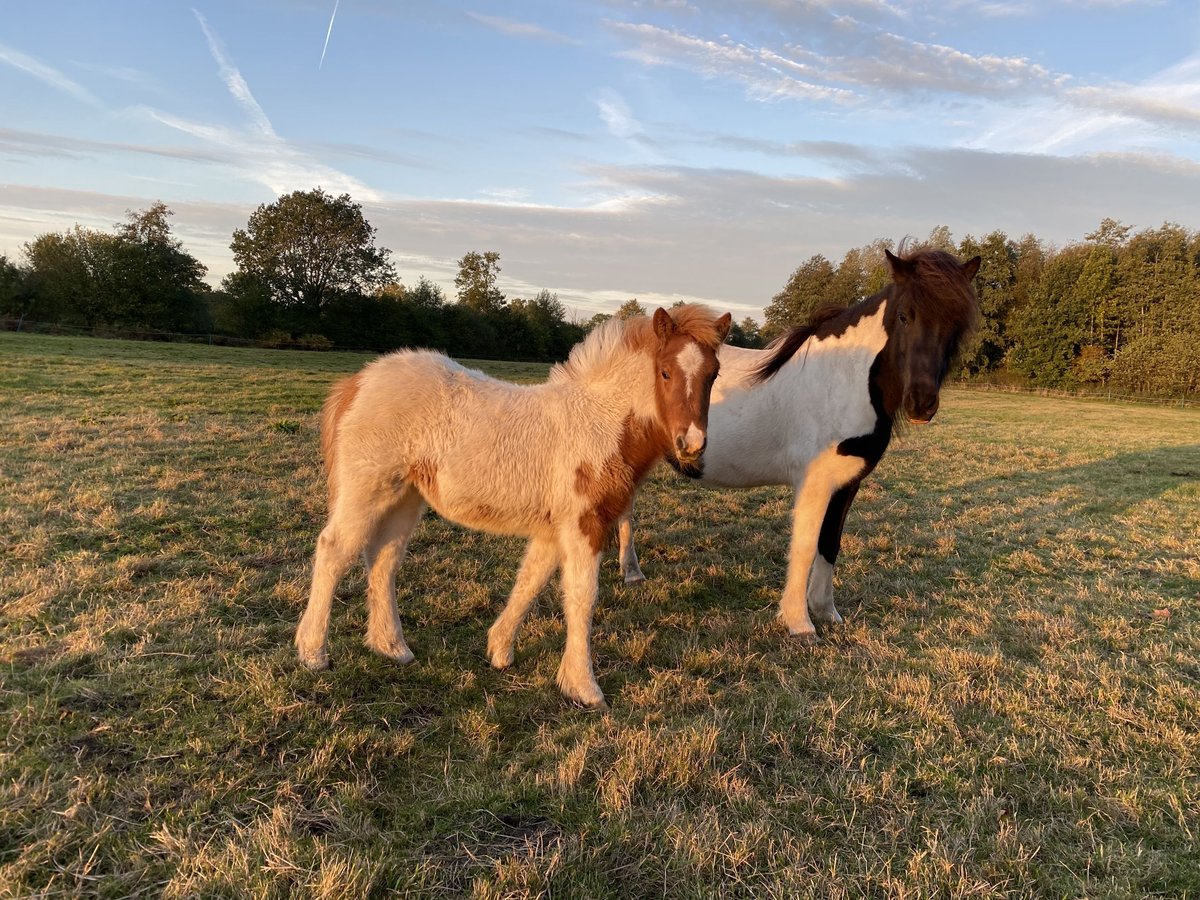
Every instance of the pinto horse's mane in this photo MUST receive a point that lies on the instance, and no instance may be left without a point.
(614, 340)
(938, 289)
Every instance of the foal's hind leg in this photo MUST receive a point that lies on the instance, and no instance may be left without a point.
(343, 537)
(384, 553)
(541, 559)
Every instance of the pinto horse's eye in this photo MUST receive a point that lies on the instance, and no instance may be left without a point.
(903, 319)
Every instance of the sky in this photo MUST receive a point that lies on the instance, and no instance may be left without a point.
(607, 149)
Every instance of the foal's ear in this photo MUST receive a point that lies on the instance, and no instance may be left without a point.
(664, 325)
(971, 267)
(900, 268)
(722, 325)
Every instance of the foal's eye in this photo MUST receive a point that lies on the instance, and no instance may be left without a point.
(666, 375)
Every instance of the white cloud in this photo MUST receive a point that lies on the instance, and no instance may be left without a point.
(514, 28)
(233, 79)
(48, 75)
(258, 153)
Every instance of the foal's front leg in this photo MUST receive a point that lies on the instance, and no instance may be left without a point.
(630, 569)
(580, 578)
(541, 558)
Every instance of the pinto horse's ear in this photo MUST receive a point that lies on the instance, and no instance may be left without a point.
(664, 326)
(971, 267)
(900, 268)
(722, 325)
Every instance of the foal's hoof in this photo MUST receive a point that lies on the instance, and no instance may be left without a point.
(589, 696)
(314, 660)
(600, 705)
(806, 638)
(398, 652)
(634, 577)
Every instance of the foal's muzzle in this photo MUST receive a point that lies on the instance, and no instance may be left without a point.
(687, 450)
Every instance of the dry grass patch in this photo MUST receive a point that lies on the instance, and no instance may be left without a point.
(1011, 708)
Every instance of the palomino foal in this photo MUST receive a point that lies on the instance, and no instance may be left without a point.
(556, 462)
(816, 411)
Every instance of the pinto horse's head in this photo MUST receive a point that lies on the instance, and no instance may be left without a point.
(932, 309)
(685, 365)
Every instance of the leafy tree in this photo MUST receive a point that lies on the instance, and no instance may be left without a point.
(745, 334)
(1095, 290)
(12, 289)
(941, 239)
(1161, 364)
(243, 307)
(994, 287)
(807, 289)
(307, 247)
(1049, 330)
(595, 321)
(476, 282)
(161, 284)
(630, 309)
(1111, 234)
(74, 277)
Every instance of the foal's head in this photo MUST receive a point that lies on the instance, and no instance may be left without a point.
(931, 309)
(685, 365)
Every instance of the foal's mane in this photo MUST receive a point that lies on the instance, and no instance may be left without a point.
(938, 288)
(615, 340)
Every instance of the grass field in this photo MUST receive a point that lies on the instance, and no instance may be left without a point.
(1012, 707)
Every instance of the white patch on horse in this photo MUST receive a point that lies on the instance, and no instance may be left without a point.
(690, 359)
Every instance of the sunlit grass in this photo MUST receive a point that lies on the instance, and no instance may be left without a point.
(1013, 705)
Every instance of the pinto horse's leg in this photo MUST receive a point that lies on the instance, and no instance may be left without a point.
(580, 578)
(829, 544)
(541, 559)
(813, 495)
(629, 560)
(383, 555)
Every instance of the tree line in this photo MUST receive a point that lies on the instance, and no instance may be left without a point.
(1118, 309)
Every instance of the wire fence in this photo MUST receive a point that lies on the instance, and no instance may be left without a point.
(1182, 402)
(304, 342)
(223, 340)
(147, 334)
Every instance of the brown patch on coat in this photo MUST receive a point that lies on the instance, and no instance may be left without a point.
(340, 398)
(609, 491)
(422, 474)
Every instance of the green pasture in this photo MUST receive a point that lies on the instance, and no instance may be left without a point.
(1011, 709)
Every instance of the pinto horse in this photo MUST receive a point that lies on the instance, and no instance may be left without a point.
(556, 462)
(816, 410)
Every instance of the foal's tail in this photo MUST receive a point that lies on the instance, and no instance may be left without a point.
(339, 400)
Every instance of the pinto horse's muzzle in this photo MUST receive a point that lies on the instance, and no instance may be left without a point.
(922, 409)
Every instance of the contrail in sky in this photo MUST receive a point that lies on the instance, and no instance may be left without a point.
(328, 33)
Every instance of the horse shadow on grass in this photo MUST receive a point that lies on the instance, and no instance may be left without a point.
(1023, 527)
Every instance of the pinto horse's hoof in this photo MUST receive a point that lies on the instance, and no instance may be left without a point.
(634, 578)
